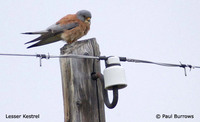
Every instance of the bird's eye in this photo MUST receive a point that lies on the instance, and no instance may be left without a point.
(88, 19)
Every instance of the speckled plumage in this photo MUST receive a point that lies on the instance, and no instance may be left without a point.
(69, 28)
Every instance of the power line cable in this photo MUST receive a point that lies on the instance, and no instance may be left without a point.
(48, 56)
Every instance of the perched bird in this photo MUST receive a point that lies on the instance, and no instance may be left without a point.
(70, 28)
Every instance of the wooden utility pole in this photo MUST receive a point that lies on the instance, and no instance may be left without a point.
(83, 99)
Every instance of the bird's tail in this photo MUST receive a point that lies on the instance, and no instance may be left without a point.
(38, 32)
(36, 39)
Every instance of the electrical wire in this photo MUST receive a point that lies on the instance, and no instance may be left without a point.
(3, 54)
(184, 66)
(51, 56)
(44, 56)
(161, 64)
(75, 56)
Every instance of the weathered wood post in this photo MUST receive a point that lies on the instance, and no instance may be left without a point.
(83, 99)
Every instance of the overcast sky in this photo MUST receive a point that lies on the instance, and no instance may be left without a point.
(157, 30)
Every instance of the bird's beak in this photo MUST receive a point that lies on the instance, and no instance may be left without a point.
(88, 19)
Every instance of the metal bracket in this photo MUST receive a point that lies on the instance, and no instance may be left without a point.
(95, 76)
(42, 56)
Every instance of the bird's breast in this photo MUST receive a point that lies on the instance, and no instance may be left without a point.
(74, 34)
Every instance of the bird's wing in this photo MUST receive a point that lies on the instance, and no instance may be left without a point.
(51, 34)
(55, 28)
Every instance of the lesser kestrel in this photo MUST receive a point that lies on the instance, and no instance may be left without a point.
(70, 28)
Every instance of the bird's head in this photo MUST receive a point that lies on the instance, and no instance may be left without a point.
(84, 15)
